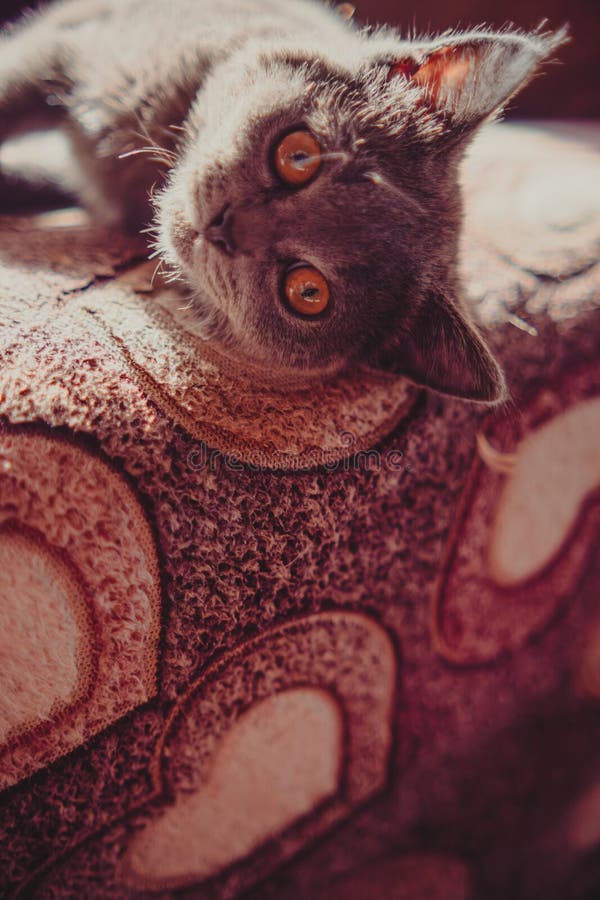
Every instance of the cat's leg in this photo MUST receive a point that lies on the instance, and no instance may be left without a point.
(61, 68)
(45, 82)
(31, 74)
(38, 91)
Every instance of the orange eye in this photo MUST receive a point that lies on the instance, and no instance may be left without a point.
(306, 290)
(297, 157)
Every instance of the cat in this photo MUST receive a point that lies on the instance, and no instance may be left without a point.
(301, 172)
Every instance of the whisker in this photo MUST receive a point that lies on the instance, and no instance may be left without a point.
(187, 306)
(520, 323)
(152, 229)
(503, 463)
(172, 277)
(157, 270)
(162, 156)
(340, 155)
(144, 134)
(380, 181)
(161, 159)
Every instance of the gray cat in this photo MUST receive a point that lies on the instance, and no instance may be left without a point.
(301, 172)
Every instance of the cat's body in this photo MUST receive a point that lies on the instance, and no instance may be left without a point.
(197, 97)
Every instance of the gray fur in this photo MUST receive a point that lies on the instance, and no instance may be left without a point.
(187, 97)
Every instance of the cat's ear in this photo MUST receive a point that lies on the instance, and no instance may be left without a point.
(471, 76)
(442, 350)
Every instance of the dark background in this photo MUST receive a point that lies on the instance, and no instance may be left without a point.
(569, 89)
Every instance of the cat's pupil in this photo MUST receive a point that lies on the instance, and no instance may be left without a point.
(297, 157)
(306, 290)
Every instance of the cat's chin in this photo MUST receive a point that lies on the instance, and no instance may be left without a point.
(199, 317)
(232, 355)
(271, 374)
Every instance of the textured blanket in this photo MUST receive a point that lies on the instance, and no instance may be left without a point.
(331, 643)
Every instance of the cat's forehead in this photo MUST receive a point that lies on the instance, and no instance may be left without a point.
(338, 102)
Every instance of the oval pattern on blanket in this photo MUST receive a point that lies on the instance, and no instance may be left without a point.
(280, 739)
(46, 632)
(526, 527)
(80, 598)
(278, 762)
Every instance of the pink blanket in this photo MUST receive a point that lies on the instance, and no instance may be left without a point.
(234, 615)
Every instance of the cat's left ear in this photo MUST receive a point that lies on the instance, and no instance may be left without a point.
(468, 77)
(441, 349)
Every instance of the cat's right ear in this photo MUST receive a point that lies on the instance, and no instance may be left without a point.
(471, 76)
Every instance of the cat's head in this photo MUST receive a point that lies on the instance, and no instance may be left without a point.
(316, 207)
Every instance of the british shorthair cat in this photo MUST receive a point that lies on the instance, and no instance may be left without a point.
(301, 172)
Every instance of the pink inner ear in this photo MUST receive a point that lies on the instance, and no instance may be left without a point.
(406, 67)
(444, 70)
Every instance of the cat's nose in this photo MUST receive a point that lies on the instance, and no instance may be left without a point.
(220, 231)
